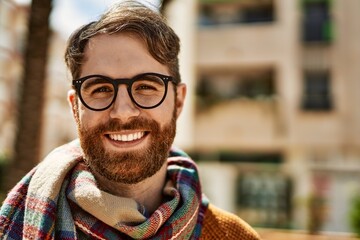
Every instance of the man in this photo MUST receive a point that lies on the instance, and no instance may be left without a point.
(121, 179)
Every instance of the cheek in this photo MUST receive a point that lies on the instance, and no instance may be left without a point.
(165, 112)
(88, 119)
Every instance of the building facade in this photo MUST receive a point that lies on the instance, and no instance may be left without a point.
(59, 126)
(274, 121)
(12, 29)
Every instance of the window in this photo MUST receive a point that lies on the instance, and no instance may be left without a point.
(317, 24)
(264, 199)
(234, 157)
(317, 96)
(232, 12)
(214, 88)
(237, 157)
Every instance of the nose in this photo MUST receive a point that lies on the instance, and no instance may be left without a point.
(123, 108)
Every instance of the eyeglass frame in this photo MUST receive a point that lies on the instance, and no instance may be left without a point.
(118, 81)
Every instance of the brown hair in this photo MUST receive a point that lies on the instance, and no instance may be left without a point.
(134, 18)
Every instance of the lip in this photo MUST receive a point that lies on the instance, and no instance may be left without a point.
(127, 139)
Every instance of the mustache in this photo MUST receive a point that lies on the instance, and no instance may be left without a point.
(134, 124)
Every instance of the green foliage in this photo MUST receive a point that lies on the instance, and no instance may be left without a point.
(354, 215)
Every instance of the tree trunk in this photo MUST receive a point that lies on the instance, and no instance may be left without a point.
(27, 147)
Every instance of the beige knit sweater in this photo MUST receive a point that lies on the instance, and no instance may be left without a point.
(219, 224)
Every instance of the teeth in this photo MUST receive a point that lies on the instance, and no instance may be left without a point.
(126, 137)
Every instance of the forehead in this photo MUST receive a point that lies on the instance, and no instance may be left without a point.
(119, 53)
(117, 47)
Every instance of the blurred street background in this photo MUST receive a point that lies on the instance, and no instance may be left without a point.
(272, 114)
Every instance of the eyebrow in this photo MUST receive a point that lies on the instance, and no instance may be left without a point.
(97, 80)
(151, 78)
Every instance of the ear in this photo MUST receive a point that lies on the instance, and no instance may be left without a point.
(180, 98)
(71, 97)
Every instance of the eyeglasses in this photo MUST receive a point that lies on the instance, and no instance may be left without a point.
(147, 90)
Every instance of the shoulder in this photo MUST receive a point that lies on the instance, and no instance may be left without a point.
(219, 224)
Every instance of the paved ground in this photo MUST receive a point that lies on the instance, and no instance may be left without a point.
(271, 234)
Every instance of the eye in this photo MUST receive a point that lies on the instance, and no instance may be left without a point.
(97, 87)
(103, 89)
(144, 86)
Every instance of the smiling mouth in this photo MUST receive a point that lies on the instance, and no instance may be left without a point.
(127, 137)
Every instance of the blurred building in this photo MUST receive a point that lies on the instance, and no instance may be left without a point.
(275, 123)
(59, 126)
(271, 112)
(13, 20)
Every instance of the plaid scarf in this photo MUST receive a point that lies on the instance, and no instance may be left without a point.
(59, 199)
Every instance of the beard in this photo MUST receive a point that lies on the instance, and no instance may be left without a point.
(127, 167)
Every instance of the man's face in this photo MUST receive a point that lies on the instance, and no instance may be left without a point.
(125, 143)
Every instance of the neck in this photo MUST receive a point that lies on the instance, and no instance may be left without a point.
(148, 192)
